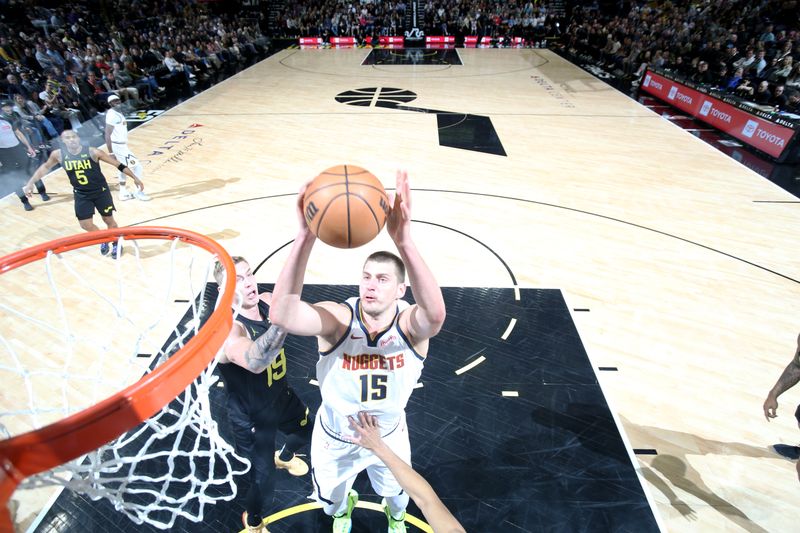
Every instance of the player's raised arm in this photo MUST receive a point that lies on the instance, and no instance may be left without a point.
(53, 160)
(438, 516)
(423, 320)
(288, 310)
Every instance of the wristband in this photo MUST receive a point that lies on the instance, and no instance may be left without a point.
(121, 167)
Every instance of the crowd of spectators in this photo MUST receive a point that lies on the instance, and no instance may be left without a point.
(59, 65)
(748, 48)
(361, 19)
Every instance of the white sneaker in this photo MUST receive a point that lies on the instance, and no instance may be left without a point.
(140, 195)
(124, 193)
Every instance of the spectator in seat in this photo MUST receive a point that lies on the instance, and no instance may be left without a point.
(41, 56)
(782, 74)
(100, 92)
(769, 73)
(733, 82)
(13, 87)
(152, 57)
(767, 37)
(78, 95)
(779, 98)
(29, 61)
(747, 61)
(762, 95)
(731, 56)
(28, 84)
(142, 79)
(721, 75)
(57, 106)
(31, 113)
(126, 94)
(174, 66)
(793, 102)
(125, 80)
(793, 80)
(758, 66)
(702, 75)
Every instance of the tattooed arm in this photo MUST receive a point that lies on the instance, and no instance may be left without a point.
(789, 378)
(253, 355)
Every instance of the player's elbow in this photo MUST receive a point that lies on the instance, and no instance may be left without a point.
(279, 313)
(276, 315)
(436, 318)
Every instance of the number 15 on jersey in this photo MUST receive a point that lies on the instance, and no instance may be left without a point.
(373, 387)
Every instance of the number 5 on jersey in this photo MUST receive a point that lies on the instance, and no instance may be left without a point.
(80, 175)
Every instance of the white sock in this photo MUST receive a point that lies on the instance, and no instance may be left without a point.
(397, 505)
(333, 510)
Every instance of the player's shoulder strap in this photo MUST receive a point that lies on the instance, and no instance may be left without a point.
(350, 304)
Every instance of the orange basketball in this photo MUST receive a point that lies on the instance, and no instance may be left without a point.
(346, 206)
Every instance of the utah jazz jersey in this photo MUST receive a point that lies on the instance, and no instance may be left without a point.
(83, 171)
(361, 372)
(256, 390)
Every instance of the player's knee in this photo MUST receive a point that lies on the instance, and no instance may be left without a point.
(86, 224)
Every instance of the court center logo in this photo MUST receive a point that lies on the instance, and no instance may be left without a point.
(750, 128)
(464, 131)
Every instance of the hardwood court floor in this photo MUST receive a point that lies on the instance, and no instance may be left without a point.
(684, 259)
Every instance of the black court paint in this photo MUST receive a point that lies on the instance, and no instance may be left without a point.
(551, 459)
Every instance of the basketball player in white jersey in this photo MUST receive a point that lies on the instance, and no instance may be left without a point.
(371, 352)
(116, 136)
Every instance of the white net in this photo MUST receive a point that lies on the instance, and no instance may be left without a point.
(76, 328)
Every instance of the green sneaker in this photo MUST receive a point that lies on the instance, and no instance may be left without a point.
(395, 526)
(342, 522)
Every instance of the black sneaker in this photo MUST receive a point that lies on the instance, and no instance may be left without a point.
(787, 451)
(27, 206)
(45, 197)
(114, 251)
(104, 248)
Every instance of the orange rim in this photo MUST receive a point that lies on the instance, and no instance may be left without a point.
(42, 449)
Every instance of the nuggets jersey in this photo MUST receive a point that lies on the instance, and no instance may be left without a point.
(83, 172)
(117, 120)
(364, 373)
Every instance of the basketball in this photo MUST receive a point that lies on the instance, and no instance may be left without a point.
(346, 206)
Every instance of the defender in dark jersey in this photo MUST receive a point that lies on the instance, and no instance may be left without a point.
(82, 165)
(260, 401)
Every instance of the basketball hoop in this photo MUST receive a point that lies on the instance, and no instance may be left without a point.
(180, 371)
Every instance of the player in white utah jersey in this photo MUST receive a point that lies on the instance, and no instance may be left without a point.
(371, 353)
(116, 136)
